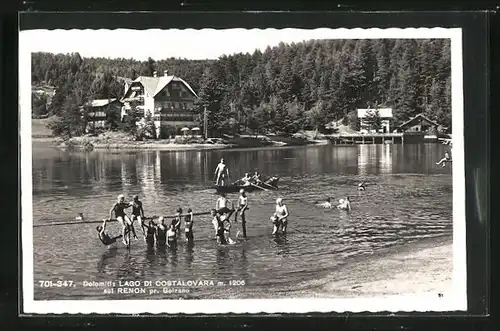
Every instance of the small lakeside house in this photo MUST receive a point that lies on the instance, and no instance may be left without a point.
(419, 123)
(169, 100)
(385, 115)
(98, 112)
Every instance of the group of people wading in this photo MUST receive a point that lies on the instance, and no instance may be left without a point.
(162, 233)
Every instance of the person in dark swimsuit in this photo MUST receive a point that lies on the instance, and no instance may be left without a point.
(176, 222)
(188, 225)
(161, 232)
(119, 210)
(221, 239)
(104, 237)
(150, 233)
(138, 214)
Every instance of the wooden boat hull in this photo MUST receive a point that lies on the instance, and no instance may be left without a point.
(270, 185)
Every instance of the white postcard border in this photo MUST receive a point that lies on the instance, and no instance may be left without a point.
(456, 301)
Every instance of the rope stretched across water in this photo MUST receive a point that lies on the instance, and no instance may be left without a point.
(114, 220)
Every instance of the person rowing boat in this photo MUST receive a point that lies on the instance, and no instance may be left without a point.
(221, 173)
(119, 210)
(245, 181)
(257, 178)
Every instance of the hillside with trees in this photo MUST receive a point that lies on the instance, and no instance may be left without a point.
(283, 89)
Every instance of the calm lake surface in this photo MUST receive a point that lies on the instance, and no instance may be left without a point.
(408, 199)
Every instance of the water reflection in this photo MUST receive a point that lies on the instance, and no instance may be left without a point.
(106, 258)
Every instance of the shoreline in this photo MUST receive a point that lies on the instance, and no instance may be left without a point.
(129, 145)
(421, 268)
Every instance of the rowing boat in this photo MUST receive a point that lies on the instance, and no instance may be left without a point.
(271, 184)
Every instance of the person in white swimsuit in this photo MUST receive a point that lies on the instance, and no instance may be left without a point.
(281, 214)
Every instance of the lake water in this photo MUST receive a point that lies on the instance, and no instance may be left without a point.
(408, 199)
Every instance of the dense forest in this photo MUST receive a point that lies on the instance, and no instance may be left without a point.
(283, 89)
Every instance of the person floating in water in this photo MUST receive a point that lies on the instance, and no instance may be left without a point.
(188, 225)
(344, 204)
(221, 173)
(444, 160)
(362, 186)
(104, 237)
(242, 208)
(138, 214)
(280, 217)
(327, 204)
(119, 210)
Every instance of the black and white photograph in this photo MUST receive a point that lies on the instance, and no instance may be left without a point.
(242, 170)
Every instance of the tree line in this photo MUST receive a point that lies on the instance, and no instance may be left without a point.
(281, 89)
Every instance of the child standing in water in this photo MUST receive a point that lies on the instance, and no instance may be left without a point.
(188, 225)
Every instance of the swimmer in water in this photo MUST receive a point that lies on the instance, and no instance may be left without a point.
(161, 232)
(444, 160)
(344, 204)
(104, 237)
(361, 186)
(119, 210)
(281, 216)
(188, 225)
(327, 204)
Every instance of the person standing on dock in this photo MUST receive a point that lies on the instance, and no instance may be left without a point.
(138, 214)
(242, 207)
(222, 174)
(119, 210)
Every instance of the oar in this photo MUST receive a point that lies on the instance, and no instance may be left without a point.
(259, 187)
(111, 220)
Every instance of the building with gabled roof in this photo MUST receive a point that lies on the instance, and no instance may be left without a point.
(418, 123)
(99, 110)
(169, 100)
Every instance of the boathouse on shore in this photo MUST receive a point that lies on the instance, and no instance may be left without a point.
(419, 123)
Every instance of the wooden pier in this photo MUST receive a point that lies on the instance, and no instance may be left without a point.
(369, 138)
